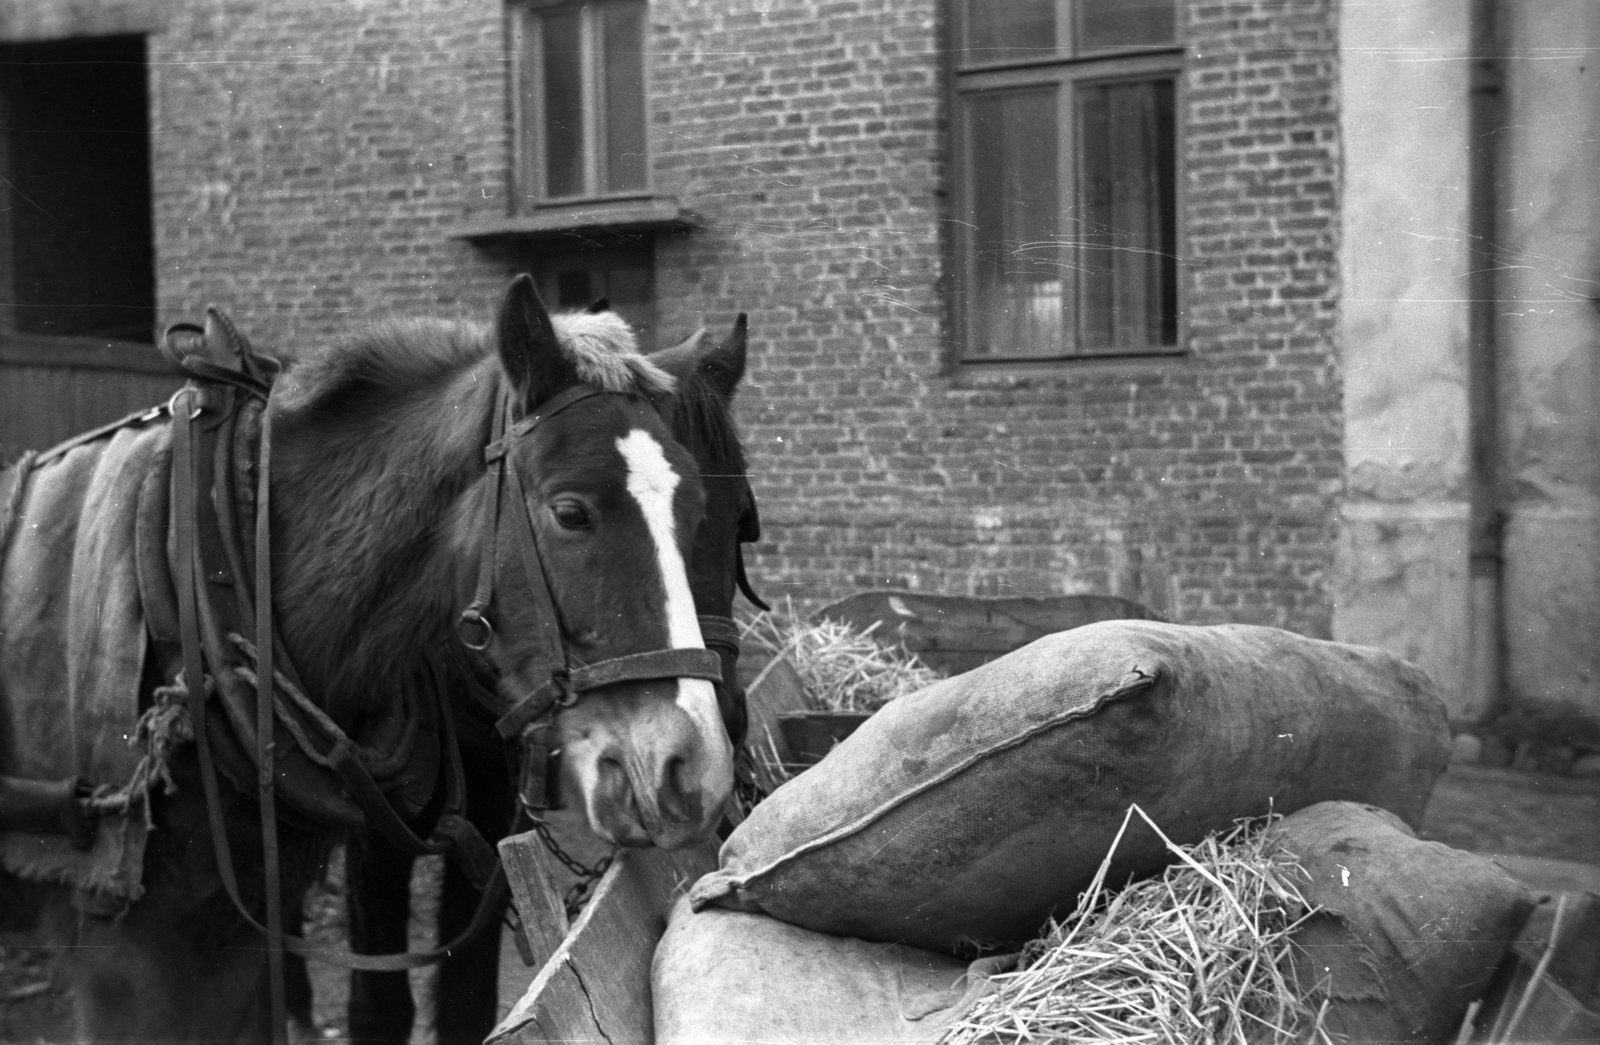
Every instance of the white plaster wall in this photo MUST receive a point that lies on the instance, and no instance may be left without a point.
(1549, 337)
(1401, 578)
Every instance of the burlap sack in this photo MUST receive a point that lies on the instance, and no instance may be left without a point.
(730, 978)
(1410, 932)
(960, 817)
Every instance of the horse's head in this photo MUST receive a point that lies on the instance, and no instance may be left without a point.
(596, 510)
(708, 373)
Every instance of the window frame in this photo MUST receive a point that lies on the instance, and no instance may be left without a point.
(1067, 72)
(528, 174)
(120, 348)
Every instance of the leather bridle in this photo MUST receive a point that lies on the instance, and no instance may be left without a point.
(531, 720)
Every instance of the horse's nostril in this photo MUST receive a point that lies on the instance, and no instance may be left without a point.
(674, 790)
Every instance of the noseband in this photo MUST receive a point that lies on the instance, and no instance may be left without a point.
(532, 719)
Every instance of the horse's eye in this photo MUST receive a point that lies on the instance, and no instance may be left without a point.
(571, 515)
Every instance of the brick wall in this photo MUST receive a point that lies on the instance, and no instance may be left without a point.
(810, 135)
(311, 159)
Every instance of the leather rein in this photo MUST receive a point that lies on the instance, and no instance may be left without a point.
(285, 721)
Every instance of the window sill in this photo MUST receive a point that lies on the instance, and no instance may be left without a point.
(579, 224)
(1022, 373)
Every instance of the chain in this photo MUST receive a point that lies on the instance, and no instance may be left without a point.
(578, 894)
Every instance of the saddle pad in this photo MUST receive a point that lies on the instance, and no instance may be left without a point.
(72, 646)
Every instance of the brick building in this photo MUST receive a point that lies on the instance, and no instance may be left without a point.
(1045, 297)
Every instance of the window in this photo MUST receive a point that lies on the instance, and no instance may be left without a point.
(1066, 183)
(580, 100)
(76, 236)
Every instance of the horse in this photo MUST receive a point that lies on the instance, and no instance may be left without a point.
(377, 876)
(509, 487)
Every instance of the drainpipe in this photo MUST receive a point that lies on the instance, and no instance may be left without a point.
(1485, 118)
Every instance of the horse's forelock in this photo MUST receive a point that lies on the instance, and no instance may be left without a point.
(605, 353)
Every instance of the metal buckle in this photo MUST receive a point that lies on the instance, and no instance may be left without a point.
(195, 411)
(472, 617)
(570, 695)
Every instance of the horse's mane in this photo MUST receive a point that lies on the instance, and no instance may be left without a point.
(396, 357)
(377, 439)
(703, 424)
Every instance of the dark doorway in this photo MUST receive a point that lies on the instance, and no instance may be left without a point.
(75, 157)
(625, 278)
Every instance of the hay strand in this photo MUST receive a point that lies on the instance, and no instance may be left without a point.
(1198, 955)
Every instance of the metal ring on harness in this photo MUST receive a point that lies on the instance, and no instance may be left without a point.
(472, 617)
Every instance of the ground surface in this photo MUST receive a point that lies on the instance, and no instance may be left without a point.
(1550, 823)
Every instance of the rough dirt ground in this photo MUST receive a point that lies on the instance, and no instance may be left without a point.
(1497, 812)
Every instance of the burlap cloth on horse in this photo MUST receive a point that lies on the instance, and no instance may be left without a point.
(72, 647)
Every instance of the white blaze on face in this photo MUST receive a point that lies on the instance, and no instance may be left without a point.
(653, 483)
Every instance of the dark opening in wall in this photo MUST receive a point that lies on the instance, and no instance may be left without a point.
(75, 155)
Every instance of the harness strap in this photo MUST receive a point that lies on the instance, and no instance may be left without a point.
(184, 467)
(266, 678)
(720, 634)
(137, 418)
(550, 653)
(476, 856)
(473, 616)
(635, 667)
(682, 662)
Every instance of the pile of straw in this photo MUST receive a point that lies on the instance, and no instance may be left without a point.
(842, 668)
(1199, 955)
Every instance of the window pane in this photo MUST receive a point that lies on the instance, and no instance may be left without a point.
(1125, 23)
(624, 101)
(1009, 29)
(563, 104)
(1128, 216)
(1017, 303)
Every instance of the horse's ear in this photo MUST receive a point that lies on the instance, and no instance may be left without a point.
(529, 349)
(723, 364)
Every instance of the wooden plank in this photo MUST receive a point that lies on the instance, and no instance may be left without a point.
(531, 873)
(596, 986)
(41, 406)
(776, 690)
(85, 353)
(956, 633)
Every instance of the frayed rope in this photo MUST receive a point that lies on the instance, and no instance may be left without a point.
(164, 725)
